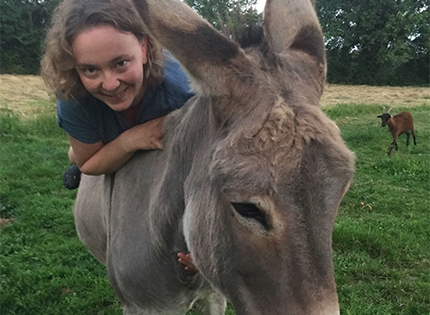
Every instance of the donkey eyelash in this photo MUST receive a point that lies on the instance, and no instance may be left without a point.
(251, 211)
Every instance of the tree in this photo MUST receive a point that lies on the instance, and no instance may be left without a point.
(383, 42)
(232, 17)
(23, 29)
(24, 24)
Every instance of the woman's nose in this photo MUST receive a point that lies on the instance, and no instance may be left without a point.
(110, 81)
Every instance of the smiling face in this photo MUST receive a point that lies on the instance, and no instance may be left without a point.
(110, 65)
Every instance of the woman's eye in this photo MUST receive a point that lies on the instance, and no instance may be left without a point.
(122, 63)
(88, 71)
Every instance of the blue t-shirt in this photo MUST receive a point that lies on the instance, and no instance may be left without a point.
(89, 120)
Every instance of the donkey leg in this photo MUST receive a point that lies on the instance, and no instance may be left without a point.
(212, 304)
(407, 138)
(91, 213)
(132, 309)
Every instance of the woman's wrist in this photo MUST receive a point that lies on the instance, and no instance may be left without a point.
(126, 142)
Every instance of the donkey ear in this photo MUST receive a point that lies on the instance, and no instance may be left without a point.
(203, 51)
(293, 24)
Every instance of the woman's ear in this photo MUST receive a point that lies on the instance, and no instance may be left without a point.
(144, 48)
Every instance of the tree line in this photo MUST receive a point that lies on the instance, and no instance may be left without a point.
(375, 42)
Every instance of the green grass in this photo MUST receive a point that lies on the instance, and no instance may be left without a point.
(381, 239)
(382, 233)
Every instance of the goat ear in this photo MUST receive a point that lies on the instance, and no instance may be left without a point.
(206, 54)
(293, 24)
(380, 116)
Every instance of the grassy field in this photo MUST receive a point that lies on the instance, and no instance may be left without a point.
(381, 237)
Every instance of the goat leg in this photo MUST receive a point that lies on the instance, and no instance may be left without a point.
(413, 135)
(395, 142)
(391, 149)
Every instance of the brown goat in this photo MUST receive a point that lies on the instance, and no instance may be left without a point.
(399, 124)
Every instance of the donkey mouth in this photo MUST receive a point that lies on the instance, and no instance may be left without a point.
(184, 276)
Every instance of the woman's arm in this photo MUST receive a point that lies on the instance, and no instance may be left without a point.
(100, 158)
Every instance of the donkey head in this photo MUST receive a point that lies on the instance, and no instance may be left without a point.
(271, 170)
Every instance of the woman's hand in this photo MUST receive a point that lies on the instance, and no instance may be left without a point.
(145, 136)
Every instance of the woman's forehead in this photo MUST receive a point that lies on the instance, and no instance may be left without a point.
(102, 44)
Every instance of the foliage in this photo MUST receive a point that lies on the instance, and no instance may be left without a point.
(231, 17)
(25, 22)
(376, 42)
(23, 29)
(380, 239)
(215, 11)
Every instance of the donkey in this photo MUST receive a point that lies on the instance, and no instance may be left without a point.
(249, 181)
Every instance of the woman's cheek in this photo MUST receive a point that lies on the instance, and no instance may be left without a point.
(89, 84)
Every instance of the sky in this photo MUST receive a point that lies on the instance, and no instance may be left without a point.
(260, 5)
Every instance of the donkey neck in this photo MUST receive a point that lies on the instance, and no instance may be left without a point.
(187, 132)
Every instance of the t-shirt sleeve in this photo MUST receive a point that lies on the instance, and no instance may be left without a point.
(74, 120)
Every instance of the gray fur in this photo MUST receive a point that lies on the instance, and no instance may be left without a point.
(253, 135)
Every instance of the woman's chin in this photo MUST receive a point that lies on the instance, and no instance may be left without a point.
(119, 106)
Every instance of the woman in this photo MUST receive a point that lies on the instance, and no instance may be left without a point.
(114, 86)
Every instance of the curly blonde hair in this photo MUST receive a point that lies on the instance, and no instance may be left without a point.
(75, 16)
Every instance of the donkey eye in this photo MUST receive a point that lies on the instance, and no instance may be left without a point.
(251, 211)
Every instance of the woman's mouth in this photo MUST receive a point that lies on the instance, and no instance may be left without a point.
(116, 96)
